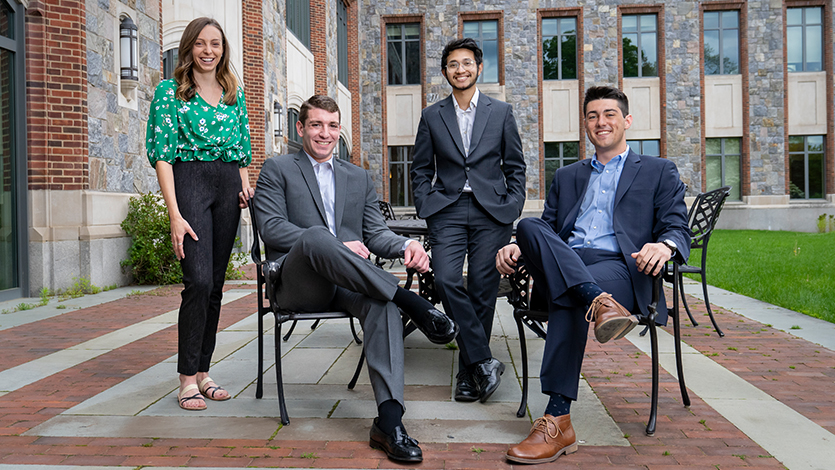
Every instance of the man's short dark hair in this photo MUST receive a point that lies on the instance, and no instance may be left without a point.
(466, 43)
(319, 102)
(606, 93)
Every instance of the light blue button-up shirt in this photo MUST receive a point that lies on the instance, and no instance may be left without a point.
(594, 227)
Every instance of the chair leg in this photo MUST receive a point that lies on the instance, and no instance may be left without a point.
(684, 299)
(259, 387)
(653, 411)
(523, 405)
(353, 382)
(354, 332)
(315, 324)
(290, 330)
(707, 306)
(679, 366)
(282, 406)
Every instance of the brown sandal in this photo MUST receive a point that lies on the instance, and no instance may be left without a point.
(197, 396)
(209, 392)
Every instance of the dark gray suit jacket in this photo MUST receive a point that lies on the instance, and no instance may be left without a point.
(287, 201)
(495, 165)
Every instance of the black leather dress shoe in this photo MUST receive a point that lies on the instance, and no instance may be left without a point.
(397, 445)
(439, 328)
(488, 376)
(466, 389)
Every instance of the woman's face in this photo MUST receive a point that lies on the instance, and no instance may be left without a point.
(207, 50)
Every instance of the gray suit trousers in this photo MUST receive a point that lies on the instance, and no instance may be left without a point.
(320, 273)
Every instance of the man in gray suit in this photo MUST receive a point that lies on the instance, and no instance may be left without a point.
(318, 216)
(468, 176)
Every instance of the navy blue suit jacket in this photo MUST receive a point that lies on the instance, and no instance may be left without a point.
(649, 207)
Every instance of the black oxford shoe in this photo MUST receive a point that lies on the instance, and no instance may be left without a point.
(438, 328)
(397, 445)
(488, 376)
(466, 389)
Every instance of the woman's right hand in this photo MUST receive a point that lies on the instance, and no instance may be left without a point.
(179, 229)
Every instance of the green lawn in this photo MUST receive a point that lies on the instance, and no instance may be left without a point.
(794, 270)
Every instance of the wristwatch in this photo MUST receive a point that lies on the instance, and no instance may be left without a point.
(671, 245)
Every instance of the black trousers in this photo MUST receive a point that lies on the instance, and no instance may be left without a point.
(555, 268)
(207, 195)
(464, 229)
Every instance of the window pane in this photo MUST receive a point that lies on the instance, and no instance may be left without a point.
(412, 62)
(813, 15)
(629, 23)
(647, 22)
(400, 162)
(471, 29)
(815, 143)
(711, 52)
(713, 172)
(651, 147)
(412, 31)
(732, 146)
(491, 62)
(650, 55)
(568, 26)
(816, 176)
(630, 55)
(794, 16)
(797, 179)
(635, 145)
(395, 64)
(713, 146)
(550, 58)
(549, 27)
(814, 44)
(794, 49)
(569, 57)
(730, 52)
(732, 177)
(570, 152)
(711, 20)
(393, 31)
(490, 29)
(796, 143)
(6, 23)
(730, 19)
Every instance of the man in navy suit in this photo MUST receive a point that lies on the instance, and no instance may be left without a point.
(609, 225)
(468, 175)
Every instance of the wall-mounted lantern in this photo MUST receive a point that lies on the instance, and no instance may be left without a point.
(128, 56)
(278, 115)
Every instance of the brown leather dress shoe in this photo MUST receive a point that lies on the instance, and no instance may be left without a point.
(611, 320)
(550, 437)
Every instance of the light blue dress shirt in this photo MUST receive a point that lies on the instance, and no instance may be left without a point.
(594, 227)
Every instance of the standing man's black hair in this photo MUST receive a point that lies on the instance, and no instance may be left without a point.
(466, 43)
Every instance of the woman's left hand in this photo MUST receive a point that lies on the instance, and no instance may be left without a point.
(244, 196)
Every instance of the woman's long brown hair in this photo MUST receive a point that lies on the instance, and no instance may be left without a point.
(184, 75)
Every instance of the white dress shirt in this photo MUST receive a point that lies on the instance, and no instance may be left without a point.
(466, 117)
(327, 189)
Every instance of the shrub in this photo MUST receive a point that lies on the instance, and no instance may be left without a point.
(151, 256)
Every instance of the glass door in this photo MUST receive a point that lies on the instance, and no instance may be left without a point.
(12, 156)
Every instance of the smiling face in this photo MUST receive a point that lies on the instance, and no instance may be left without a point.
(207, 50)
(462, 78)
(606, 126)
(319, 133)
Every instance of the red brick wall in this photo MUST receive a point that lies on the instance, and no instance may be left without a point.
(319, 44)
(253, 55)
(354, 81)
(56, 76)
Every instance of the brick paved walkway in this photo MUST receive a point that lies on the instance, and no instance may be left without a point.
(797, 373)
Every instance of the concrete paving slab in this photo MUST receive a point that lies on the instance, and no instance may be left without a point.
(308, 365)
(423, 410)
(329, 334)
(196, 427)
(32, 371)
(428, 366)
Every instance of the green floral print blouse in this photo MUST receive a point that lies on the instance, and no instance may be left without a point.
(196, 131)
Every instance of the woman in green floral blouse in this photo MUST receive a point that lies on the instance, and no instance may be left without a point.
(198, 142)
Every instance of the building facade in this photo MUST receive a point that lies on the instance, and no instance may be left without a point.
(735, 92)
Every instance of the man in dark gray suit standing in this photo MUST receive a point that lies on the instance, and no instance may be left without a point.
(318, 216)
(468, 175)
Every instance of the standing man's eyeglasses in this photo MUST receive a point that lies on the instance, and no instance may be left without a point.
(466, 63)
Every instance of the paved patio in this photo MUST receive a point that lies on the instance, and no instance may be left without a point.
(92, 382)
